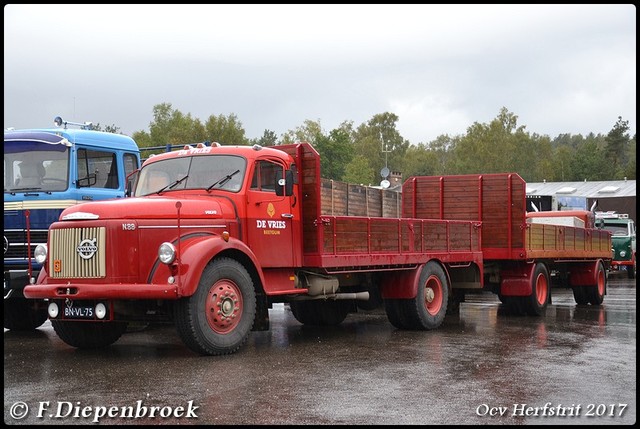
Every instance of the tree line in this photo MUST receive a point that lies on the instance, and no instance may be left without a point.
(356, 154)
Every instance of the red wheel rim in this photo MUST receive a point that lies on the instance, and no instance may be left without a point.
(433, 295)
(542, 287)
(601, 282)
(224, 306)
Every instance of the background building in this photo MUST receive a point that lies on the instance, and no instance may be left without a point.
(615, 195)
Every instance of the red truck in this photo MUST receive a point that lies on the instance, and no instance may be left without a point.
(212, 236)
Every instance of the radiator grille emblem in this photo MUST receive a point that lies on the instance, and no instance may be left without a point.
(87, 248)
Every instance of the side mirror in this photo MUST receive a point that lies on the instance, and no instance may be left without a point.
(284, 185)
(131, 179)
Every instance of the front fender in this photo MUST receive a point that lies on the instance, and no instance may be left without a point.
(196, 253)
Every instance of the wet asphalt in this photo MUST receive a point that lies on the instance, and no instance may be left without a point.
(575, 365)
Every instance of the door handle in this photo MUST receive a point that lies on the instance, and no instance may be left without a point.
(287, 215)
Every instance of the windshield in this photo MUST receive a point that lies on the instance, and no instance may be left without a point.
(35, 166)
(210, 172)
(617, 229)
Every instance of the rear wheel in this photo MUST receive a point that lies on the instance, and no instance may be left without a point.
(536, 303)
(218, 317)
(595, 293)
(580, 295)
(89, 335)
(428, 308)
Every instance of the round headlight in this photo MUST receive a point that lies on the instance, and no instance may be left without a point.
(623, 253)
(167, 253)
(40, 253)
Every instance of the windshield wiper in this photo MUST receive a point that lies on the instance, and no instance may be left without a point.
(172, 185)
(224, 180)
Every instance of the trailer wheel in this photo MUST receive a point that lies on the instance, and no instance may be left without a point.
(89, 335)
(580, 295)
(536, 303)
(320, 312)
(218, 317)
(22, 314)
(595, 294)
(396, 313)
(427, 310)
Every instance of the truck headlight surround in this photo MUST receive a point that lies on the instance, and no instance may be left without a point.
(623, 253)
(40, 253)
(167, 253)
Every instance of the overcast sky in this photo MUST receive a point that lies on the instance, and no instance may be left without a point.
(559, 68)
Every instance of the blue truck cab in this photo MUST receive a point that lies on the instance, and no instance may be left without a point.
(45, 171)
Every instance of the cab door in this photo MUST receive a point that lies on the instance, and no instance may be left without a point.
(269, 217)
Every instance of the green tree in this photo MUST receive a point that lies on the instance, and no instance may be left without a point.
(381, 144)
(225, 130)
(336, 151)
(359, 171)
(617, 142)
(170, 127)
(588, 162)
(269, 138)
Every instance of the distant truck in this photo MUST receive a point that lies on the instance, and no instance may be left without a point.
(45, 171)
(623, 238)
(212, 236)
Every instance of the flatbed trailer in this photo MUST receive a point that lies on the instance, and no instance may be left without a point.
(212, 254)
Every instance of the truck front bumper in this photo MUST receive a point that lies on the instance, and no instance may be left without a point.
(110, 291)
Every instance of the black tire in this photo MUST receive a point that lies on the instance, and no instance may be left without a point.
(219, 316)
(631, 271)
(320, 312)
(595, 294)
(536, 303)
(89, 335)
(456, 297)
(22, 314)
(426, 311)
(396, 313)
(580, 295)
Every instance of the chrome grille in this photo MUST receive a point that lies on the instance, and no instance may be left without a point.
(17, 239)
(77, 253)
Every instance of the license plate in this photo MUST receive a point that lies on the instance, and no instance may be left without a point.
(79, 311)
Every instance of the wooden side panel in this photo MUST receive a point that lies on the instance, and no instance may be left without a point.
(495, 200)
(343, 199)
(557, 241)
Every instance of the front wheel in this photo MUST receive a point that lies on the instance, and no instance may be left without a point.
(89, 335)
(631, 271)
(22, 314)
(219, 316)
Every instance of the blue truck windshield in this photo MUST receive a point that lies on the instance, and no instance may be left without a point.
(33, 165)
